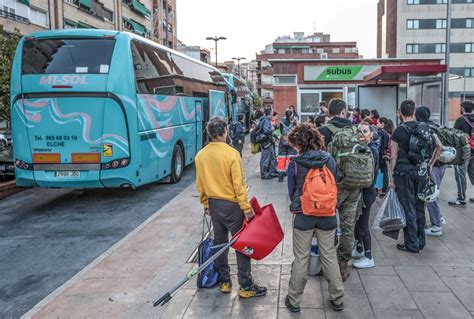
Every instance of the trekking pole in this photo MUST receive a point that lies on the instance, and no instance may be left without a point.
(167, 297)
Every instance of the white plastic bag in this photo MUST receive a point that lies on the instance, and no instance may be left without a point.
(391, 215)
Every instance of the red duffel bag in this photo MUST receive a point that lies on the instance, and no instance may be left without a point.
(258, 237)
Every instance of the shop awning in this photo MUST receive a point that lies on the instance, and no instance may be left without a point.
(86, 3)
(27, 2)
(399, 72)
(140, 8)
(136, 27)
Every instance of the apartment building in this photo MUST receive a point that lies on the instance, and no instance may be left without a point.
(417, 29)
(122, 15)
(298, 46)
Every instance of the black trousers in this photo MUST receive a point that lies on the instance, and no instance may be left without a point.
(362, 230)
(408, 185)
(384, 168)
(227, 217)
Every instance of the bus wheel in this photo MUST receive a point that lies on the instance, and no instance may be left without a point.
(177, 164)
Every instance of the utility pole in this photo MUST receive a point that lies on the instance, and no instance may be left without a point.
(445, 106)
(216, 39)
(238, 64)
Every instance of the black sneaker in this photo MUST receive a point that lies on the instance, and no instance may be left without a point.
(471, 200)
(403, 247)
(290, 306)
(339, 307)
(281, 178)
(252, 291)
(457, 202)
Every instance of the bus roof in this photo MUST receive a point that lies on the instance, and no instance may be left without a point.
(72, 33)
(103, 33)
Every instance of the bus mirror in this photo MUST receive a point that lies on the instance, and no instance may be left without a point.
(234, 98)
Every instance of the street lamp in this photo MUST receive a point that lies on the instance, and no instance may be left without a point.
(238, 64)
(445, 105)
(216, 39)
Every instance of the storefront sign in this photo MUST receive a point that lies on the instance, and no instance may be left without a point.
(337, 72)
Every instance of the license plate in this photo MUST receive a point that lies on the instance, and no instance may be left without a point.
(62, 174)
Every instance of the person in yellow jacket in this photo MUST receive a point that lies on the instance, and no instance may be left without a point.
(221, 182)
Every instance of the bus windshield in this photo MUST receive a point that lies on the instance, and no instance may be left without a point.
(67, 56)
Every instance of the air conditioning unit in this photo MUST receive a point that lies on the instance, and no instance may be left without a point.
(324, 56)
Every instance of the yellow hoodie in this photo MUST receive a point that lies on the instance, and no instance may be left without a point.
(219, 175)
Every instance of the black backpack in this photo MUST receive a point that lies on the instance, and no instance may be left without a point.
(422, 143)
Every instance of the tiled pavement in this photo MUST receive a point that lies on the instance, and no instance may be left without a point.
(438, 283)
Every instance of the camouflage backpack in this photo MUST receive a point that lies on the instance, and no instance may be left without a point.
(353, 156)
(454, 138)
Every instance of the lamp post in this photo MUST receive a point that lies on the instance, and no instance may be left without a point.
(238, 64)
(216, 39)
(445, 105)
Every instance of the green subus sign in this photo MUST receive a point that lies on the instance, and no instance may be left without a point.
(339, 73)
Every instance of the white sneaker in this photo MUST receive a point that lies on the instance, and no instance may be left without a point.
(443, 221)
(356, 254)
(364, 262)
(434, 231)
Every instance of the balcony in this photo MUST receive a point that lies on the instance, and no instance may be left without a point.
(304, 56)
(15, 17)
(264, 86)
(265, 70)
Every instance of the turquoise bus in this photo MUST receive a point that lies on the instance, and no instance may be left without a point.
(240, 97)
(98, 108)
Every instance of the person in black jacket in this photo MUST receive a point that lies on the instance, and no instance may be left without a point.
(309, 144)
(363, 250)
(465, 123)
(237, 134)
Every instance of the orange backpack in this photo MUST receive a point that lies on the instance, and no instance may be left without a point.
(319, 193)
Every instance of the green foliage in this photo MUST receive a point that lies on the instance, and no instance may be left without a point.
(258, 102)
(8, 43)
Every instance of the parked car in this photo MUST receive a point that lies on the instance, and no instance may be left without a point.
(3, 142)
(7, 167)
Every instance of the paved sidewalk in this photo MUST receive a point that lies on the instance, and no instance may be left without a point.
(123, 283)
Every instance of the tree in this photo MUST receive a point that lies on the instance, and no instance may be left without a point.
(258, 102)
(8, 43)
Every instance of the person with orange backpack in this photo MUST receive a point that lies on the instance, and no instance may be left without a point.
(313, 193)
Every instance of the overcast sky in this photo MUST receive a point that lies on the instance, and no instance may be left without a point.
(251, 24)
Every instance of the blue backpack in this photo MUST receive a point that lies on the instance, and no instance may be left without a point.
(209, 277)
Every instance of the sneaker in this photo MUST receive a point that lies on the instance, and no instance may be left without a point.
(356, 254)
(290, 306)
(226, 287)
(337, 307)
(434, 231)
(281, 178)
(471, 200)
(252, 291)
(363, 263)
(443, 221)
(457, 202)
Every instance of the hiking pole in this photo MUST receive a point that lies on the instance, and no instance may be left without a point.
(167, 297)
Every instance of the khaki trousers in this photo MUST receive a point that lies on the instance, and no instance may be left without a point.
(299, 270)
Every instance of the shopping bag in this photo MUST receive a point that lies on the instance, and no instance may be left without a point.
(209, 277)
(258, 237)
(391, 215)
(255, 148)
(282, 163)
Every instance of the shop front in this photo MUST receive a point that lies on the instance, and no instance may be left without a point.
(362, 83)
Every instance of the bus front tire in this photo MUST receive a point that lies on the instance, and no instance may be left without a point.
(177, 164)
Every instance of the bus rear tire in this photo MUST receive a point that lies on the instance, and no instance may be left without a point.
(177, 164)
